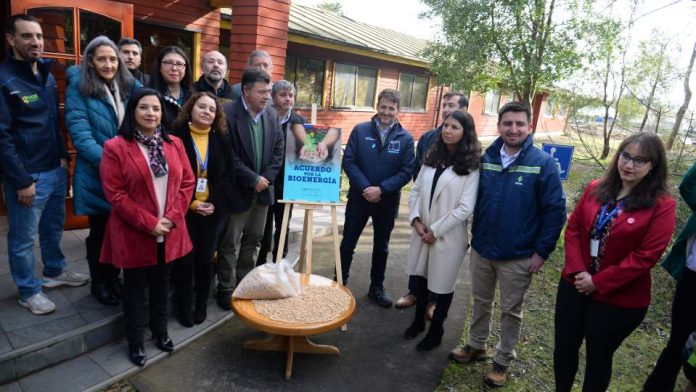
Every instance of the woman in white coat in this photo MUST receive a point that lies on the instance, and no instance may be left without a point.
(440, 202)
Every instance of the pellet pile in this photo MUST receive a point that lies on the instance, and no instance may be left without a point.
(315, 304)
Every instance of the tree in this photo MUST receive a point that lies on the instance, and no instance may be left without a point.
(685, 104)
(332, 6)
(519, 45)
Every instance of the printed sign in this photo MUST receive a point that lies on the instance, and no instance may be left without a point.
(312, 163)
(563, 155)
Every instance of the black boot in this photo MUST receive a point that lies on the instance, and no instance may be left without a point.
(201, 312)
(434, 336)
(183, 303)
(418, 324)
(136, 353)
(103, 295)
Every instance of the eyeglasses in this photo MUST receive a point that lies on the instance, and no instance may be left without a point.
(637, 161)
(175, 65)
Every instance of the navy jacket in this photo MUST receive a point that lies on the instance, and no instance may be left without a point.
(224, 93)
(424, 143)
(367, 162)
(246, 178)
(520, 210)
(30, 139)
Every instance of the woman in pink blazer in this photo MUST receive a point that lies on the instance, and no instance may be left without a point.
(148, 182)
(616, 234)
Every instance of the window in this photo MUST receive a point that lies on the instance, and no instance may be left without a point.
(414, 91)
(492, 102)
(553, 108)
(308, 77)
(509, 97)
(354, 86)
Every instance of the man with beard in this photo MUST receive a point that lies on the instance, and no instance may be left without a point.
(132, 52)
(213, 80)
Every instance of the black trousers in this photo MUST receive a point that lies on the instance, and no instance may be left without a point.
(99, 272)
(271, 233)
(383, 214)
(194, 272)
(664, 376)
(135, 282)
(602, 326)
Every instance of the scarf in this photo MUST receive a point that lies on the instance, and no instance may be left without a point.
(155, 155)
(113, 95)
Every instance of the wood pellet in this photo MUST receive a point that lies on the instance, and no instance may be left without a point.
(316, 304)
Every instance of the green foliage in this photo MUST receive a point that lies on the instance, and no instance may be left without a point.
(515, 44)
(332, 6)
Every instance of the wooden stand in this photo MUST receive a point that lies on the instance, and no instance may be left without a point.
(292, 338)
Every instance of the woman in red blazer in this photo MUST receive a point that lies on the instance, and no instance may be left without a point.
(148, 182)
(616, 234)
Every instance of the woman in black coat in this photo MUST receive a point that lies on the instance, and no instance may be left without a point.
(202, 127)
(172, 77)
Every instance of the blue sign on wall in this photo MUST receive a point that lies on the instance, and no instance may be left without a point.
(563, 155)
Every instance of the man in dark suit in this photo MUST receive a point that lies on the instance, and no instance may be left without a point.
(257, 142)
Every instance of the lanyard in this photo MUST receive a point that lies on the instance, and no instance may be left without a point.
(604, 217)
(202, 165)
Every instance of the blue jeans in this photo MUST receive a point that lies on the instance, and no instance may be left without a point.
(45, 217)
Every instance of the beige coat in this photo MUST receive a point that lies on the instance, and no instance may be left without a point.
(453, 202)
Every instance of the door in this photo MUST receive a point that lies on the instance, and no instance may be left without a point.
(68, 26)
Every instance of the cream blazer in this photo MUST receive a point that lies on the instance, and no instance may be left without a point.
(453, 202)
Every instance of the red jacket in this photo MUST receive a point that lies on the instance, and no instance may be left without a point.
(635, 244)
(128, 186)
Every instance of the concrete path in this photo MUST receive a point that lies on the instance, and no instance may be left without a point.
(374, 356)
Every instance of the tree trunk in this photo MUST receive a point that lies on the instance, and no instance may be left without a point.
(685, 104)
(657, 123)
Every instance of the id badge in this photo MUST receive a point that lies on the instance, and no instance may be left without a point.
(201, 184)
(594, 248)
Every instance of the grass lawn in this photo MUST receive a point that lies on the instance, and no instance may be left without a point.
(533, 369)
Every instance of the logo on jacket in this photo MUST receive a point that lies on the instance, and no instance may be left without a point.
(27, 99)
(372, 141)
(394, 147)
(519, 180)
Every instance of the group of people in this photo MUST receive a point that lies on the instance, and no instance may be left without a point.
(168, 171)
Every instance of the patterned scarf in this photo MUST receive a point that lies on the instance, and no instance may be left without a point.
(155, 155)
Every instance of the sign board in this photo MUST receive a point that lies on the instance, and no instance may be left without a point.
(312, 163)
(563, 155)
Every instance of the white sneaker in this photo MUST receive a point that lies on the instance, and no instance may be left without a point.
(67, 278)
(38, 304)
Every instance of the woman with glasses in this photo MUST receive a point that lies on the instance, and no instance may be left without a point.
(148, 180)
(681, 264)
(616, 234)
(203, 129)
(172, 77)
(95, 101)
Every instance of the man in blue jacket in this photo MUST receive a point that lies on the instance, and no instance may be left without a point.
(33, 165)
(378, 161)
(519, 214)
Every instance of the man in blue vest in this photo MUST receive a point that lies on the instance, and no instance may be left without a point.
(33, 165)
(378, 161)
(519, 214)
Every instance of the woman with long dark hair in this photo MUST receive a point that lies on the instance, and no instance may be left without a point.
(148, 180)
(616, 234)
(202, 127)
(440, 202)
(172, 77)
(95, 101)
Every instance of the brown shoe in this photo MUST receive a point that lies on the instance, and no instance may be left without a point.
(430, 310)
(406, 301)
(467, 354)
(497, 375)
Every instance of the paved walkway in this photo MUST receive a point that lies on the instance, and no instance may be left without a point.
(82, 325)
(374, 356)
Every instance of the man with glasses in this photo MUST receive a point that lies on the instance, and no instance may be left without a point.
(214, 66)
(33, 165)
(519, 214)
(131, 52)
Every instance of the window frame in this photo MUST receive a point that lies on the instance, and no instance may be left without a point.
(324, 76)
(486, 101)
(354, 107)
(411, 109)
